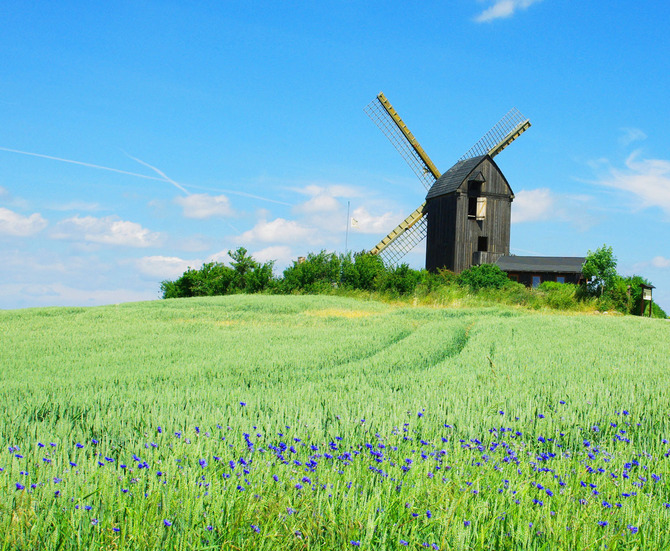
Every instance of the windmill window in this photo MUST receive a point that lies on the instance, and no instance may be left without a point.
(474, 188)
(482, 243)
(472, 207)
(536, 281)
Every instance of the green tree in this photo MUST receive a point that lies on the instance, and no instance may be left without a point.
(599, 269)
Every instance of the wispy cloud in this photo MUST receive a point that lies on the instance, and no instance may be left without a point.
(17, 225)
(109, 230)
(542, 204)
(630, 135)
(502, 9)
(648, 180)
(660, 262)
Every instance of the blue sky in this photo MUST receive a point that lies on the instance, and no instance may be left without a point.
(241, 124)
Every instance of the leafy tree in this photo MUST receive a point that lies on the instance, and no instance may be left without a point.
(599, 269)
(318, 273)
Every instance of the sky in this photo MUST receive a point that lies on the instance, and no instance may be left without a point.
(140, 138)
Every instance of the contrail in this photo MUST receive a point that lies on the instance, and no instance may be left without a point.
(243, 194)
(163, 178)
(160, 172)
(83, 164)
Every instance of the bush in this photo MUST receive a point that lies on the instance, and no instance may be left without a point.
(485, 276)
(561, 296)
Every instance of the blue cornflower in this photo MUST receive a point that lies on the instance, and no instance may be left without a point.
(20, 486)
(633, 529)
(94, 521)
(355, 543)
(429, 514)
(466, 523)
(403, 542)
(243, 404)
(255, 528)
(202, 463)
(602, 523)
(116, 529)
(540, 416)
(167, 522)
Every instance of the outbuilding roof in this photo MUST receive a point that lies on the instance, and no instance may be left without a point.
(452, 179)
(562, 264)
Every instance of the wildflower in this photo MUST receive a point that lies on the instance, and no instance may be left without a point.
(403, 542)
(633, 529)
(210, 528)
(20, 486)
(116, 529)
(243, 404)
(429, 514)
(255, 528)
(602, 523)
(466, 523)
(355, 543)
(167, 522)
(94, 521)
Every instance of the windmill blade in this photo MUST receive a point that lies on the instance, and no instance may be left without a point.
(506, 130)
(389, 122)
(404, 237)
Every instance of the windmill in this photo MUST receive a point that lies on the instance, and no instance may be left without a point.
(466, 215)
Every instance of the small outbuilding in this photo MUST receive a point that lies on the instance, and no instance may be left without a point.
(533, 270)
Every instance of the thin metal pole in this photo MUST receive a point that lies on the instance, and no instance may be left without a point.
(346, 238)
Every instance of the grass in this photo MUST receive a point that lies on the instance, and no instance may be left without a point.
(311, 422)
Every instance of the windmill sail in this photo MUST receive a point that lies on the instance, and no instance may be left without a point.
(403, 238)
(506, 130)
(389, 122)
(405, 242)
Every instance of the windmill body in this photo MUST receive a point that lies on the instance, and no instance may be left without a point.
(468, 212)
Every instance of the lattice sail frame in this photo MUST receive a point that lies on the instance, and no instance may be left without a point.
(403, 143)
(505, 131)
(405, 242)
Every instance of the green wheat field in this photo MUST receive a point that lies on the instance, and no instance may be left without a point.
(317, 422)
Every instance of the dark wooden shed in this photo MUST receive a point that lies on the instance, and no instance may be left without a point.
(533, 270)
(468, 213)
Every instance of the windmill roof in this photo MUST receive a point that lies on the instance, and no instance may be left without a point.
(452, 179)
(563, 264)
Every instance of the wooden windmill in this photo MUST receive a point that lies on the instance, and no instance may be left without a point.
(467, 212)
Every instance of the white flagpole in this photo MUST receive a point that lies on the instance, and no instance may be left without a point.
(346, 238)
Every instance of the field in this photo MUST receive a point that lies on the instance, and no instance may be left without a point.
(298, 422)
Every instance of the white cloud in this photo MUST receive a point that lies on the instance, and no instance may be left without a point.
(368, 223)
(165, 267)
(532, 205)
(646, 179)
(319, 204)
(630, 135)
(279, 253)
(660, 262)
(109, 230)
(502, 9)
(57, 294)
(280, 230)
(12, 223)
(203, 205)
